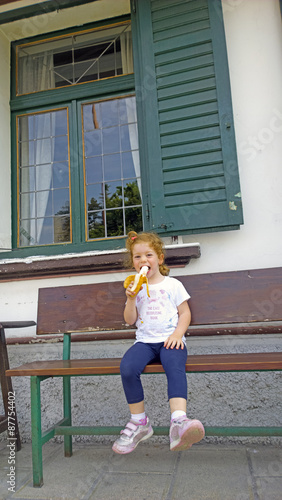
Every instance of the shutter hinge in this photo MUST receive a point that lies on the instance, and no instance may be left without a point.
(147, 212)
(165, 226)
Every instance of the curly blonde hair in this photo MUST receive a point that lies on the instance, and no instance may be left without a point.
(153, 240)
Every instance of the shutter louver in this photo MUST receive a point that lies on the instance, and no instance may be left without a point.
(199, 174)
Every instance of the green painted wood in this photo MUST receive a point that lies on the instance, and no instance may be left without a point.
(39, 9)
(163, 431)
(174, 144)
(147, 110)
(203, 171)
(47, 98)
(195, 122)
(67, 396)
(67, 413)
(161, 4)
(36, 433)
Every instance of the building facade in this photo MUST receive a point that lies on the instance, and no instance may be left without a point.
(150, 115)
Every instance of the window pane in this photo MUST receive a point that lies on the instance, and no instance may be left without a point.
(130, 162)
(112, 167)
(27, 206)
(42, 125)
(27, 179)
(44, 188)
(60, 175)
(58, 123)
(94, 169)
(132, 193)
(61, 229)
(74, 59)
(61, 204)
(43, 175)
(43, 151)
(44, 203)
(111, 140)
(91, 117)
(116, 159)
(60, 148)
(95, 197)
(27, 233)
(113, 194)
(109, 113)
(115, 223)
(93, 143)
(96, 225)
(133, 220)
(27, 153)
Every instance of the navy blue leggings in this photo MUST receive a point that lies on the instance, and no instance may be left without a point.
(141, 354)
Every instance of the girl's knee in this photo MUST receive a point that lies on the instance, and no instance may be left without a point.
(127, 368)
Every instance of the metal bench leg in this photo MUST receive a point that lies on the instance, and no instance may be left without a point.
(67, 396)
(7, 391)
(36, 432)
(67, 413)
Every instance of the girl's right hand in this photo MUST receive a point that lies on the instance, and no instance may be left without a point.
(130, 295)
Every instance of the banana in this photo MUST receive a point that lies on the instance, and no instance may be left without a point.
(138, 279)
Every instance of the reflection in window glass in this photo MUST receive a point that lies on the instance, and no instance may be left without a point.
(44, 185)
(112, 169)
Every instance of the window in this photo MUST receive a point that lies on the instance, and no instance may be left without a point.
(101, 150)
(44, 178)
(73, 59)
(78, 161)
(112, 170)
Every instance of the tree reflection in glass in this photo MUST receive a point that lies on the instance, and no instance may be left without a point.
(112, 168)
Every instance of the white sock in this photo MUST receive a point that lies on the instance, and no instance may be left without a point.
(138, 416)
(177, 413)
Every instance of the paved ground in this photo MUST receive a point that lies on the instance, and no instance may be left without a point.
(151, 472)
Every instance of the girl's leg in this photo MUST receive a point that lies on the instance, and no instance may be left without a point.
(183, 431)
(131, 367)
(173, 361)
(139, 427)
(177, 404)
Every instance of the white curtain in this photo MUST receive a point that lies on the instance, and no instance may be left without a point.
(43, 156)
(36, 73)
(126, 52)
(127, 67)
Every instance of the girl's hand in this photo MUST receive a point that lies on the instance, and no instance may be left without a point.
(131, 295)
(130, 311)
(173, 341)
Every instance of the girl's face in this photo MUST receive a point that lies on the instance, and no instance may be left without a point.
(144, 255)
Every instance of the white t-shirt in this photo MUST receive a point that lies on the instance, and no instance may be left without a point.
(157, 314)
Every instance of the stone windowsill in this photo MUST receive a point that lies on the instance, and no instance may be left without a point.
(86, 263)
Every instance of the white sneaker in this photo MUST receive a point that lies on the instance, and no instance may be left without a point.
(132, 435)
(185, 432)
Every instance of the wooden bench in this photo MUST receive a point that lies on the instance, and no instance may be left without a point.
(244, 302)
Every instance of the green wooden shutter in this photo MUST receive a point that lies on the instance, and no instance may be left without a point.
(185, 114)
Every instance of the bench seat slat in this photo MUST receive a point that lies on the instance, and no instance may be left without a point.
(110, 366)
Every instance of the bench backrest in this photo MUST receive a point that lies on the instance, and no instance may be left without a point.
(218, 298)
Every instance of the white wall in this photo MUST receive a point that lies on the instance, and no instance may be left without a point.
(64, 18)
(254, 43)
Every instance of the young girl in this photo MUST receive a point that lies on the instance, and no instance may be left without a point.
(162, 320)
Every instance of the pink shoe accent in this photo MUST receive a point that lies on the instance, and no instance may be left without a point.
(185, 432)
(132, 435)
